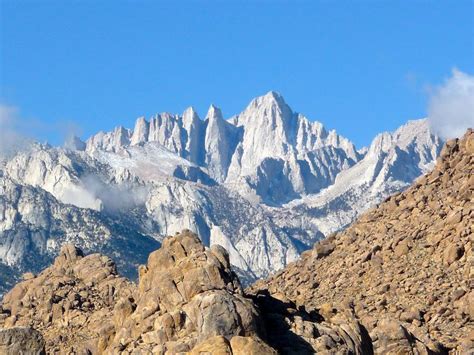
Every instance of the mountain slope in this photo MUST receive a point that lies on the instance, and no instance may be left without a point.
(34, 225)
(266, 183)
(392, 162)
(408, 259)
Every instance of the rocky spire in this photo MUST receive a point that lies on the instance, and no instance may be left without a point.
(219, 143)
(141, 131)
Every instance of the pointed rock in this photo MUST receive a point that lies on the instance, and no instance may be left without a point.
(141, 131)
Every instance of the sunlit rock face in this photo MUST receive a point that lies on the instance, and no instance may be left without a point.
(266, 184)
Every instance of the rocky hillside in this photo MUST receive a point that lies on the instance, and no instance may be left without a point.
(187, 300)
(404, 266)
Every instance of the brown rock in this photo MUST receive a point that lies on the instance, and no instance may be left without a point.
(402, 248)
(250, 346)
(22, 340)
(454, 217)
(217, 345)
(392, 338)
(323, 249)
(452, 253)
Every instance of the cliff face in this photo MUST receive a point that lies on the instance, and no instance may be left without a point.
(405, 265)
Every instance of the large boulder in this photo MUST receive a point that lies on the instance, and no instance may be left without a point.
(186, 295)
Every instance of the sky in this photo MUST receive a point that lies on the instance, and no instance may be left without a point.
(360, 67)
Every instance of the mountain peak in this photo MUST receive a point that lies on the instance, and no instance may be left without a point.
(74, 143)
(191, 111)
(274, 94)
(214, 112)
(272, 98)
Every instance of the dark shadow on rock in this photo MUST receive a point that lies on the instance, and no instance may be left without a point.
(278, 335)
(287, 332)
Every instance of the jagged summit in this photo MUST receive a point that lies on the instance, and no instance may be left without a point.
(245, 148)
(214, 113)
(266, 184)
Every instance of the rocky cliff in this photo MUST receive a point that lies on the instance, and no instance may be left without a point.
(406, 266)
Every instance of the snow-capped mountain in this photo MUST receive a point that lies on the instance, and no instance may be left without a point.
(265, 184)
(265, 146)
(391, 163)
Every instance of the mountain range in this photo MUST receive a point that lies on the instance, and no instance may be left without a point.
(265, 184)
(397, 281)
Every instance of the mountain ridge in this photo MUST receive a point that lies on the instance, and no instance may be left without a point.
(406, 261)
(247, 183)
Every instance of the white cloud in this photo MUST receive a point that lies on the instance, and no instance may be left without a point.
(17, 133)
(94, 193)
(451, 106)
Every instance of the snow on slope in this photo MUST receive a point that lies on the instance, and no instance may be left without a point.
(267, 145)
(392, 162)
(265, 184)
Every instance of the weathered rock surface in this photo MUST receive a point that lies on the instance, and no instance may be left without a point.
(186, 295)
(405, 267)
(69, 303)
(187, 300)
(21, 341)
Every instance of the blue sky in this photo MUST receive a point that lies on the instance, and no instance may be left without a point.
(360, 67)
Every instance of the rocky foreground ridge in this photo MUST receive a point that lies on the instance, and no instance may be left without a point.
(404, 266)
(398, 281)
(187, 300)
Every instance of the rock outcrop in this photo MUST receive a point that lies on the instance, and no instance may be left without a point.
(69, 303)
(187, 300)
(405, 267)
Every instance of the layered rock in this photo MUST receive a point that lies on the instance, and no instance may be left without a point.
(405, 267)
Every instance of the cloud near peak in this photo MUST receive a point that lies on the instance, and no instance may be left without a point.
(451, 105)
